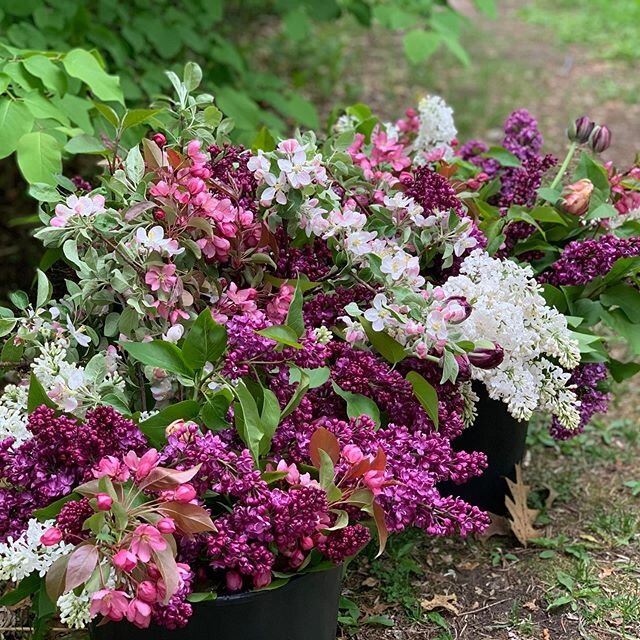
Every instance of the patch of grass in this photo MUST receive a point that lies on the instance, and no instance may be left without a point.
(616, 528)
(609, 29)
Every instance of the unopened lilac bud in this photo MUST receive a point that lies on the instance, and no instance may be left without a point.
(464, 369)
(580, 130)
(484, 358)
(600, 138)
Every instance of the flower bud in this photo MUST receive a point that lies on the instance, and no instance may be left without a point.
(166, 525)
(484, 358)
(104, 501)
(464, 368)
(159, 138)
(185, 493)
(576, 197)
(352, 453)
(51, 537)
(600, 138)
(233, 580)
(159, 215)
(580, 130)
(147, 591)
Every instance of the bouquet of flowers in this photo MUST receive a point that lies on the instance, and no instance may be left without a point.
(246, 364)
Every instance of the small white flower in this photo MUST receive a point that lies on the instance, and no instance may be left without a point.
(154, 240)
(78, 334)
(378, 315)
(359, 243)
(174, 333)
(277, 189)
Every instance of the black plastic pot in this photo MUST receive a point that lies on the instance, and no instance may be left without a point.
(306, 608)
(503, 438)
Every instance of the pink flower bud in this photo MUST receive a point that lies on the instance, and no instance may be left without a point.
(104, 501)
(297, 558)
(147, 591)
(159, 138)
(352, 453)
(374, 480)
(307, 543)
(185, 493)
(580, 130)
(159, 215)
(51, 537)
(124, 560)
(261, 580)
(166, 525)
(577, 196)
(233, 580)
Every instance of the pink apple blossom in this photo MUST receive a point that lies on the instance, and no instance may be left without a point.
(109, 603)
(145, 540)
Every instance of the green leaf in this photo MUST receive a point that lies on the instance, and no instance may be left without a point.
(6, 326)
(205, 342)
(487, 7)
(281, 334)
(43, 289)
(317, 377)
(84, 144)
(270, 418)
(202, 596)
(212, 116)
(39, 157)
(302, 388)
(135, 117)
(426, 394)
(37, 395)
(51, 75)
(555, 297)
(358, 405)
(621, 371)
(134, 165)
(161, 354)
(626, 297)
(15, 121)
(192, 76)
(214, 411)
(19, 299)
(588, 168)
(154, 427)
(264, 140)
(327, 471)
(389, 348)
(504, 157)
(295, 319)
(44, 193)
(107, 113)
(629, 331)
(27, 587)
(82, 65)
(248, 422)
(420, 45)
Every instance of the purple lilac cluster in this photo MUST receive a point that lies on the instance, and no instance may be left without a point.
(246, 346)
(433, 192)
(313, 260)
(176, 613)
(344, 543)
(325, 308)
(59, 456)
(583, 260)
(587, 379)
(71, 519)
(229, 167)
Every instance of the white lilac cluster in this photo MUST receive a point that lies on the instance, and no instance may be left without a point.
(22, 556)
(73, 388)
(437, 130)
(75, 609)
(509, 309)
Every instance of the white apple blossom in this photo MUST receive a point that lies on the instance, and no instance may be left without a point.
(83, 206)
(277, 189)
(154, 240)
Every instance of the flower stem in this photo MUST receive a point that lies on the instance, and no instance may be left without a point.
(572, 149)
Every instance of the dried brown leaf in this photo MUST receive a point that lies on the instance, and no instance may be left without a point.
(522, 518)
(447, 601)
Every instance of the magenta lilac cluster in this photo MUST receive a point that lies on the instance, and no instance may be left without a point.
(583, 260)
(59, 456)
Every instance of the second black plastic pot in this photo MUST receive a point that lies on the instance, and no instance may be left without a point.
(306, 608)
(503, 438)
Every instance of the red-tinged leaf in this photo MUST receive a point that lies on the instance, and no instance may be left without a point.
(82, 562)
(380, 461)
(152, 154)
(175, 159)
(358, 469)
(166, 563)
(137, 209)
(381, 525)
(325, 440)
(54, 581)
(163, 479)
(189, 518)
